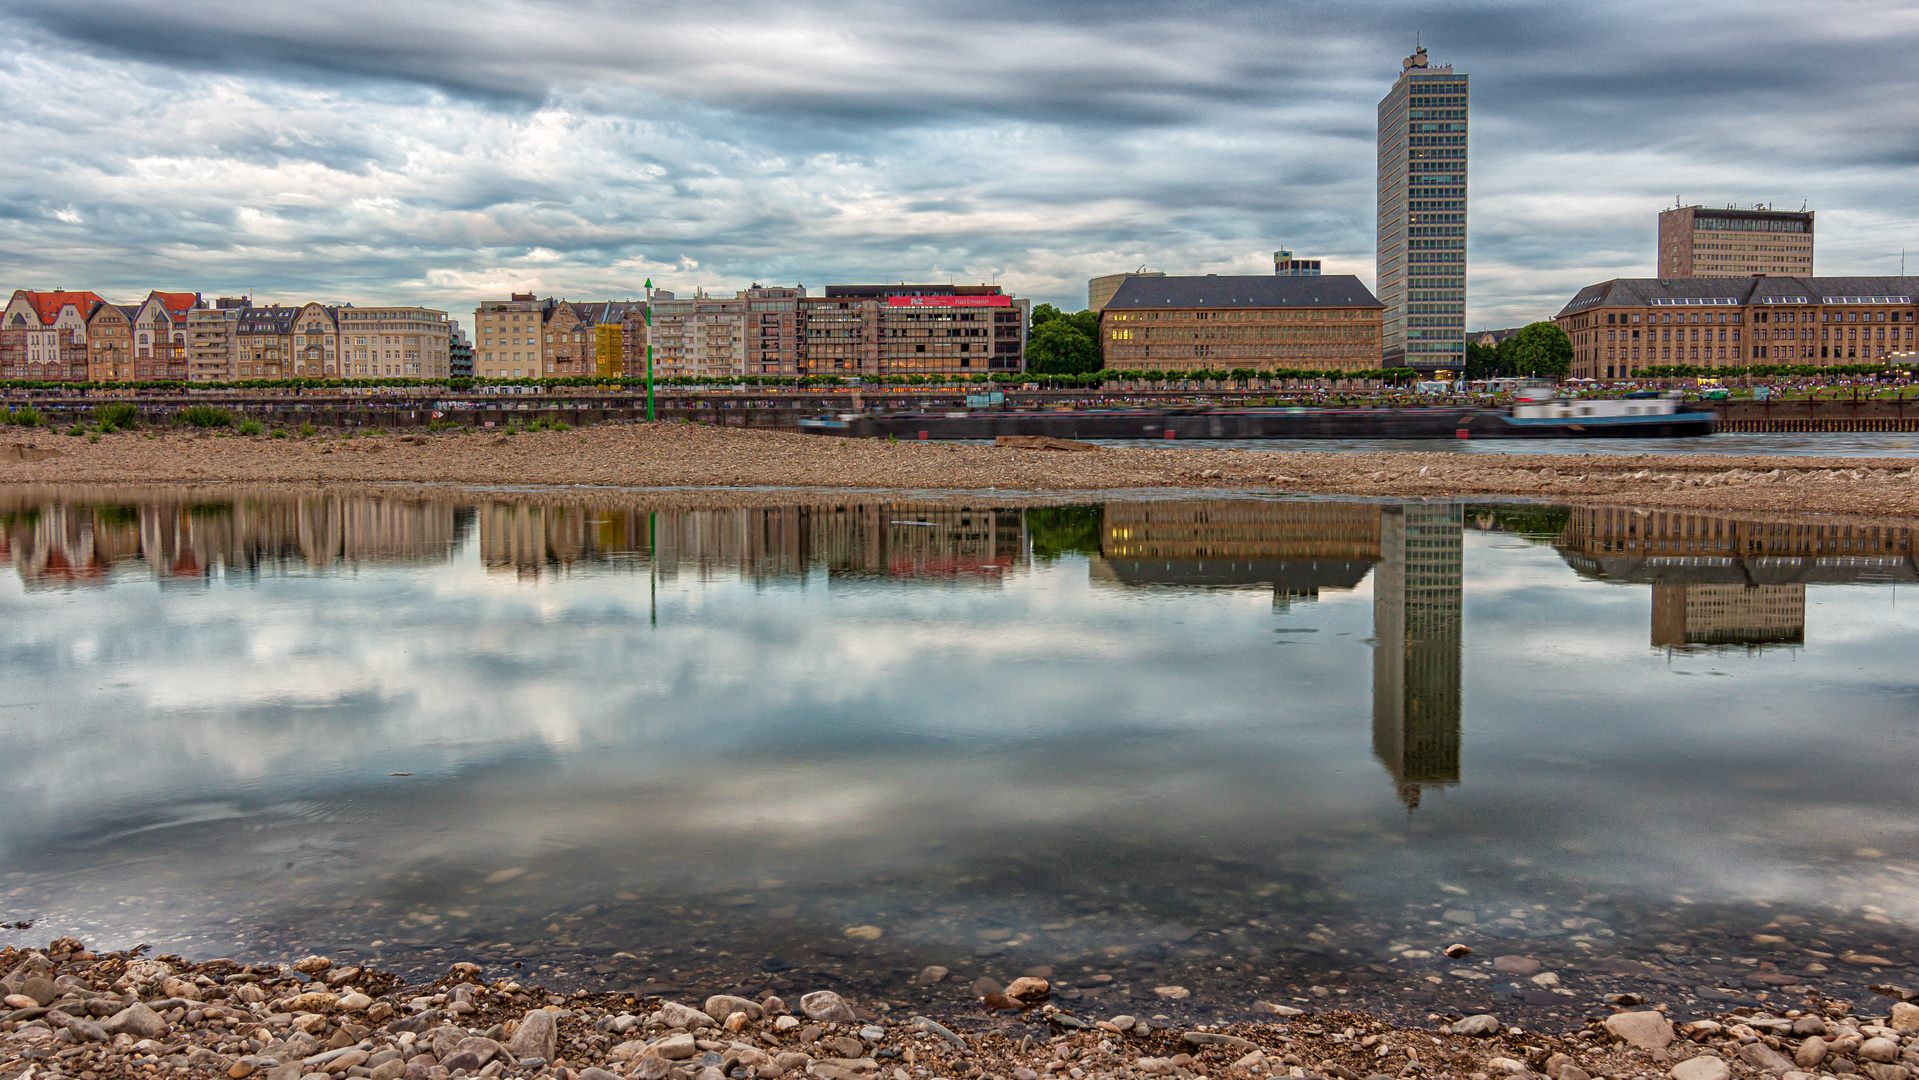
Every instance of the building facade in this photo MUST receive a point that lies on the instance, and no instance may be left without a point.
(1422, 217)
(1100, 290)
(1695, 241)
(761, 331)
(1621, 327)
(43, 335)
(507, 337)
(110, 343)
(213, 340)
(391, 341)
(157, 328)
(925, 329)
(1174, 324)
(459, 355)
(266, 342)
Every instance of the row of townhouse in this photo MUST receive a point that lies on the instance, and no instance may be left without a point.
(852, 330)
(65, 336)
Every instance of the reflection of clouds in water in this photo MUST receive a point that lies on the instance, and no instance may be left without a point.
(823, 730)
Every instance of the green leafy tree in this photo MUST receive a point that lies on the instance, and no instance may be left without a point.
(1059, 348)
(1541, 350)
(1044, 314)
(1087, 321)
(1484, 361)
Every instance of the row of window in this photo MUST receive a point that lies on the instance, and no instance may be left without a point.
(1755, 352)
(1314, 315)
(1617, 318)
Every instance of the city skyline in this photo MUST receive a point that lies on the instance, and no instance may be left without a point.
(430, 156)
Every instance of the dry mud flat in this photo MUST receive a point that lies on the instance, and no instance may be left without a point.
(72, 1012)
(665, 455)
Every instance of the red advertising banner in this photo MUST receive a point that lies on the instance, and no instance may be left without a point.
(949, 301)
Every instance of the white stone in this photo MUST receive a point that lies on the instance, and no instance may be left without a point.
(1645, 1030)
(1704, 1067)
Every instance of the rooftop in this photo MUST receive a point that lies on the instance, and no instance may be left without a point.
(1737, 291)
(1251, 291)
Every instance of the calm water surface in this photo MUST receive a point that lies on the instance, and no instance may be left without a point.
(1279, 749)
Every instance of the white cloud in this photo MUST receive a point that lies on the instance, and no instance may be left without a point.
(444, 152)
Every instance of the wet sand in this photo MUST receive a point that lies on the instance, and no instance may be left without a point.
(726, 462)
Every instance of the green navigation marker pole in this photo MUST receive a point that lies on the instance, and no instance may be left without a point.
(649, 348)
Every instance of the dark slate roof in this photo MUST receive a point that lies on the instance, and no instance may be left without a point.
(1640, 292)
(1255, 291)
(268, 320)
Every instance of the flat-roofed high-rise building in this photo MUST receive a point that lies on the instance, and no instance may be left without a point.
(1286, 266)
(1422, 217)
(1697, 241)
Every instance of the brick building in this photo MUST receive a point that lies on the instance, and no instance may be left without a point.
(1623, 326)
(1171, 324)
(43, 335)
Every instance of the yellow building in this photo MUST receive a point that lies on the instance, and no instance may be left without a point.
(609, 350)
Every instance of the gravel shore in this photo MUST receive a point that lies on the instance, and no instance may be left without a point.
(663, 455)
(71, 1012)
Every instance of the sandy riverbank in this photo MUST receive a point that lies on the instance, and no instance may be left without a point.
(76, 1013)
(683, 455)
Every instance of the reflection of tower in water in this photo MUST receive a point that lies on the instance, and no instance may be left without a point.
(1416, 651)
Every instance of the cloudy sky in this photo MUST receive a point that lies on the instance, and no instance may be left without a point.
(445, 152)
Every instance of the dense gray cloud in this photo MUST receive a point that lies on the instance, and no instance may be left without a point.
(446, 152)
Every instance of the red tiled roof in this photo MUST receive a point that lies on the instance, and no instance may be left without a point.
(47, 305)
(177, 303)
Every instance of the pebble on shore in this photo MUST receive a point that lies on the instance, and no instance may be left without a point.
(666, 455)
(123, 1015)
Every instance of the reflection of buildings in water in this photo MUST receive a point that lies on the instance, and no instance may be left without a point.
(1299, 548)
(891, 540)
(1726, 580)
(1750, 615)
(1296, 548)
(907, 541)
(56, 544)
(1620, 542)
(1417, 612)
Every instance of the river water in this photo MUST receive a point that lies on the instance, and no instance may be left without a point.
(1182, 754)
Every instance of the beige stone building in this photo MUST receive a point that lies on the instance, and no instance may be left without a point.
(1175, 324)
(509, 337)
(1620, 327)
(1696, 241)
(213, 341)
(266, 342)
(392, 341)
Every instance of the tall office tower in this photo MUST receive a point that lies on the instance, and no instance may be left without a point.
(1695, 241)
(1417, 592)
(1422, 217)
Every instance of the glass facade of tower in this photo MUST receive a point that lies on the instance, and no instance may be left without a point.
(1422, 217)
